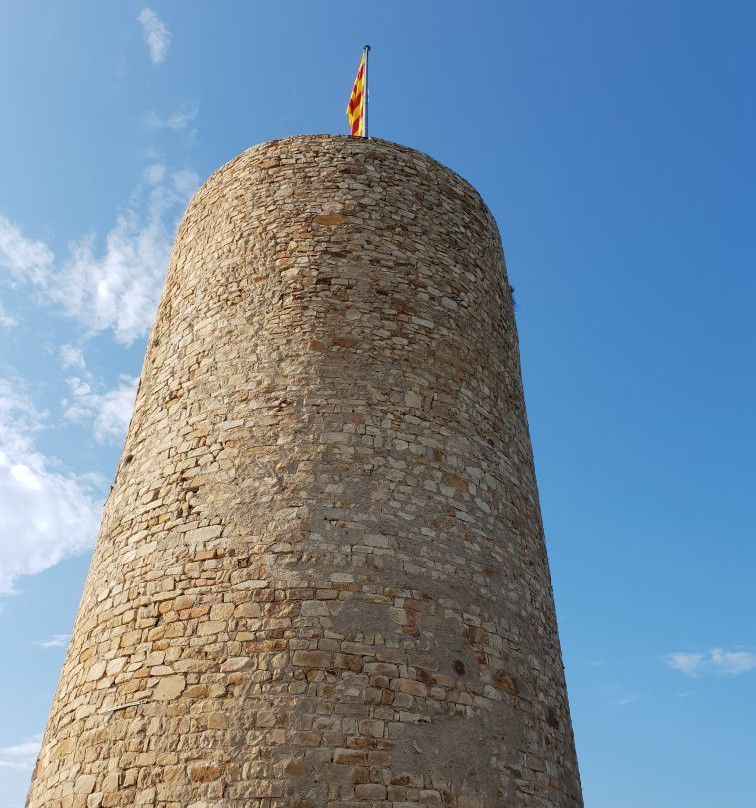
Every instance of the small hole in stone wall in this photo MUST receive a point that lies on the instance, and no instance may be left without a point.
(459, 667)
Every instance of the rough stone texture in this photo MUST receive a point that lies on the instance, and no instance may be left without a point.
(321, 579)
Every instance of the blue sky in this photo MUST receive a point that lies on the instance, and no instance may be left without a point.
(614, 143)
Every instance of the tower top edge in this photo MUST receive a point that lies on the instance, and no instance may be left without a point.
(338, 147)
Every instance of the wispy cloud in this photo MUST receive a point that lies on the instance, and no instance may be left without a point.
(732, 662)
(715, 661)
(72, 357)
(50, 514)
(618, 694)
(7, 320)
(156, 35)
(117, 287)
(110, 411)
(120, 287)
(56, 641)
(21, 756)
(180, 119)
(23, 259)
(685, 663)
(153, 174)
(185, 183)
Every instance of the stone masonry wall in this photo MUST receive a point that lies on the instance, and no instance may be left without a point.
(321, 579)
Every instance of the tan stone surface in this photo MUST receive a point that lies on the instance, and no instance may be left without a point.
(321, 579)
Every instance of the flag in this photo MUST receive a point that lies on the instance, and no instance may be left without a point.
(356, 107)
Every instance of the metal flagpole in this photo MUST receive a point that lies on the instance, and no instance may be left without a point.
(365, 127)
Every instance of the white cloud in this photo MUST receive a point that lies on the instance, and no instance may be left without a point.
(45, 514)
(185, 183)
(156, 35)
(22, 756)
(114, 411)
(7, 320)
(119, 289)
(182, 118)
(21, 258)
(716, 661)
(686, 663)
(110, 411)
(732, 662)
(153, 174)
(72, 357)
(56, 641)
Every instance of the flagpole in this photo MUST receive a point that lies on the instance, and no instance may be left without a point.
(366, 49)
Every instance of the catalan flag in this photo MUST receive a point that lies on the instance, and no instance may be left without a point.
(357, 107)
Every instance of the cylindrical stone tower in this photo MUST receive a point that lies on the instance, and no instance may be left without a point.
(321, 579)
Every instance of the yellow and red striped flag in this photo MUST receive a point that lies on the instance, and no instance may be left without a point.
(356, 107)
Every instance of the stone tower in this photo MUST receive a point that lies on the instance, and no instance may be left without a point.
(321, 579)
